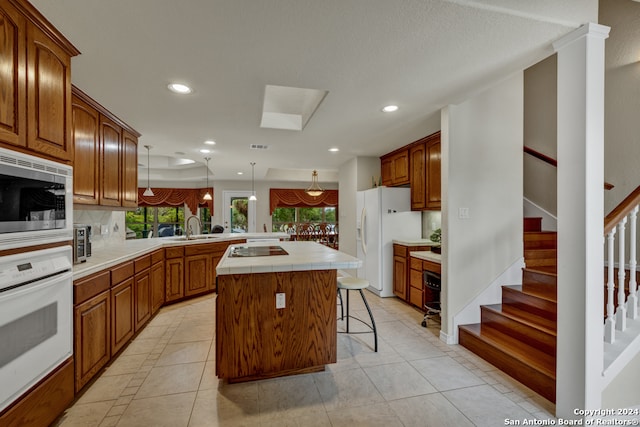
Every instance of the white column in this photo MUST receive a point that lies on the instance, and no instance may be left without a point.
(610, 322)
(580, 218)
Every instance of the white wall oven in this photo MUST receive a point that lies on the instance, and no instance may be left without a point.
(36, 324)
(36, 196)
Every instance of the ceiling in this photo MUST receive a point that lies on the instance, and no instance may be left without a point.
(417, 54)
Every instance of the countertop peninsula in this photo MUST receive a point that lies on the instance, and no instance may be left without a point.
(428, 256)
(276, 315)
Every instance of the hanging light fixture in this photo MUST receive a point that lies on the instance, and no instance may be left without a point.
(148, 192)
(253, 191)
(207, 195)
(314, 190)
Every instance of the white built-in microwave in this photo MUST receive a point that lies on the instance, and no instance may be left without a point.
(37, 200)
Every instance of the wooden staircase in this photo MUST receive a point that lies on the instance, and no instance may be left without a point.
(518, 336)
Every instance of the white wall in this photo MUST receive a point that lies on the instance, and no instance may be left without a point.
(482, 172)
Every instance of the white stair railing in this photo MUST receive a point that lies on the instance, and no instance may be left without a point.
(627, 307)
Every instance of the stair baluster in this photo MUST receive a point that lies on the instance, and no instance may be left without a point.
(632, 302)
(610, 322)
(621, 312)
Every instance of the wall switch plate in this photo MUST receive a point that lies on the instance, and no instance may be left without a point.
(280, 300)
(463, 213)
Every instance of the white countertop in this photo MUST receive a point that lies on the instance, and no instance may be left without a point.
(302, 256)
(112, 254)
(416, 242)
(427, 255)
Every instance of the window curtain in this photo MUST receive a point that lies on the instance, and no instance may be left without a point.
(192, 197)
(297, 198)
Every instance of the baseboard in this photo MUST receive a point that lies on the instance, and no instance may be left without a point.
(448, 339)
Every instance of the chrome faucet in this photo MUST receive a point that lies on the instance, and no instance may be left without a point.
(189, 230)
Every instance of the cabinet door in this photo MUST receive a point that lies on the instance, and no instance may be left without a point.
(13, 97)
(174, 285)
(433, 174)
(400, 277)
(49, 96)
(157, 286)
(417, 177)
(129, 170)
(401, 168)
(122, 314)
(197, 270)
(91, 337)
(142, 289)
(386, 166)
(110, 144)
(86, 123)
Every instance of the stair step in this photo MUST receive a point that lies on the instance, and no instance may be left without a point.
(540, 275)
(532, 224)
(540, 240)
(541, 257)
(521, 325)
(530, 366)
(541, 304)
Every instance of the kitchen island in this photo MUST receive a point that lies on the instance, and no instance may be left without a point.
(276, 309)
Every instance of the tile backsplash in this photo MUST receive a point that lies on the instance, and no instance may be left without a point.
(431, 221)
(106, 226)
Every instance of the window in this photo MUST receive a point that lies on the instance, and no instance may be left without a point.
(159, 221)
(283, 216)
(205, 218)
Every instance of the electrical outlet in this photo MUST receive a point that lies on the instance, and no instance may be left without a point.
(280, 300)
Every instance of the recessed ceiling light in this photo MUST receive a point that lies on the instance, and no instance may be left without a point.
(334, 149)
(179, 88)
(205, 151)
(210, 142)
(390, 108)
(240, 173)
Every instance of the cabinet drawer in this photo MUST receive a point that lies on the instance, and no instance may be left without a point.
(431, 266)
(415, 296)
(175, 252)
(121, 272)
(157, 256)
(399, 250)
(142, 263)
(198, 249)
(416, 264)
(87, 288)
(415, 278)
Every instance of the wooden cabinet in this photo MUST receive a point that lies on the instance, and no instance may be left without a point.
(35, 88)
(417, 164)
(122, 306)
(174, 276)
(403, 275)
(106, 156)
(86, 170)
(197, 273)
(157, 280)
(420, 294)
(418, 176)
(433, 170)
(92, 326)
(395, 168)
(142, 291)
(400, 271)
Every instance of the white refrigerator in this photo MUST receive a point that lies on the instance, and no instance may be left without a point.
(383, 214)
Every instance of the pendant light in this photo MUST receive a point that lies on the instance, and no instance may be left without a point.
(148, 192)
(314, 190)
(253, 191)
(207, 195)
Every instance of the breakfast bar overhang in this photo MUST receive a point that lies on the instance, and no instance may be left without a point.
(276, 309)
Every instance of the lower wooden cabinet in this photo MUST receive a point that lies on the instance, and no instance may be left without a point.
(157, 280)
(403, 276)
(142, 289)
(122, 325)
(197, 274)
(92, 337)
(174, 279)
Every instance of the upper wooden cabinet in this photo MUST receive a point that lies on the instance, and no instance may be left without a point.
(416, 164)
(106, 156)
(395, 168)
(35, 83)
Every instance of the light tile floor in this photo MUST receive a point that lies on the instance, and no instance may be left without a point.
(166, 377)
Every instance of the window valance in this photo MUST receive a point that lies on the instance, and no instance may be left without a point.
(297, 198)
(192, 197)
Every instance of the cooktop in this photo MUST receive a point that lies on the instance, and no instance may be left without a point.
(248, 251)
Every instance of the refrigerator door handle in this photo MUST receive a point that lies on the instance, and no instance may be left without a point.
(363, 229)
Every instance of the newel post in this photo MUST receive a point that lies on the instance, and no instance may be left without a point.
(580, 83)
